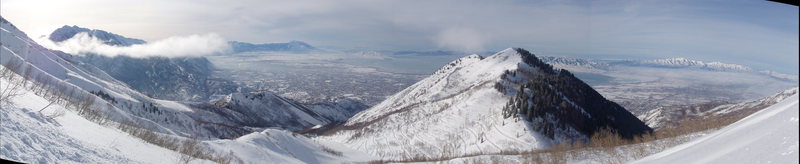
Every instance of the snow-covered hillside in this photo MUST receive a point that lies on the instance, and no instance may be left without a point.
(456, 111)
(29, 132)
(767, 136)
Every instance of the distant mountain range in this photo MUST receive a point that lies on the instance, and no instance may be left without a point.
(292, 46)
(590, 65)
(688, 63)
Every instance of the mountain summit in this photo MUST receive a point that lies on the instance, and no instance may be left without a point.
(505, 102)
(67, 32)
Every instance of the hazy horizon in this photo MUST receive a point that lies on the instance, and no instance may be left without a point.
(762, 35)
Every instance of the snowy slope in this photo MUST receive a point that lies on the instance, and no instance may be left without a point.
(768, 136)
(27, 135)
(279, 146)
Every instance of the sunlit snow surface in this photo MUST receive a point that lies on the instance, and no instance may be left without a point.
(768, 136)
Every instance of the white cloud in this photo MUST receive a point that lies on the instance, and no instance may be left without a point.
(461, 39)
(176, 46)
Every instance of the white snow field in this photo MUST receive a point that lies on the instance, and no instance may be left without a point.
(767, 136)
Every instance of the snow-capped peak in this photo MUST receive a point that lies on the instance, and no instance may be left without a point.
(67, 32)
(460, 110)
(458, 63)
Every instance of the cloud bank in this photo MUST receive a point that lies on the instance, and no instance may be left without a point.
(176, 46)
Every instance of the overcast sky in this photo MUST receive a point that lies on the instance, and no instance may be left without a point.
(755, 33)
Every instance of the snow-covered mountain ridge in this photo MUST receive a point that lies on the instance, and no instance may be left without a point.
(458, 110)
